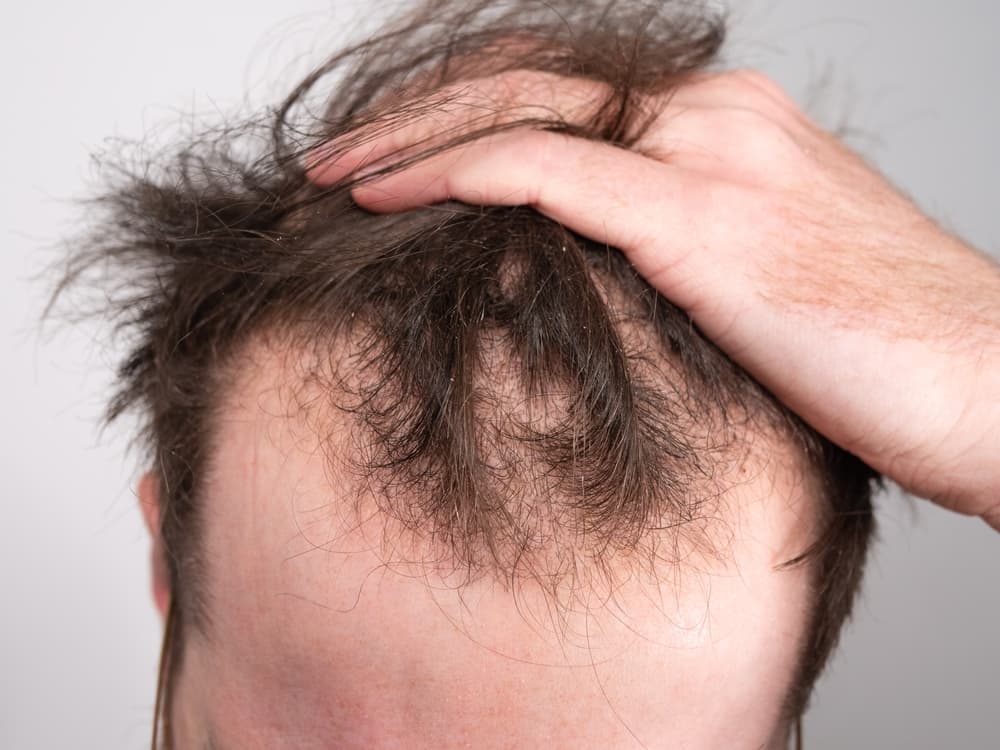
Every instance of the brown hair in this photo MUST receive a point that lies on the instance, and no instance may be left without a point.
(198, 251)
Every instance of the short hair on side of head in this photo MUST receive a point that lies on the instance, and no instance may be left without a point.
(198, 252)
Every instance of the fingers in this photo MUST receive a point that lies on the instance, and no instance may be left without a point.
(456, 110)
(743, 89)
(658, 211)
(650, 210)
(690, 119)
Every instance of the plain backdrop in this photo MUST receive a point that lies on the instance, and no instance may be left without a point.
(920, 665)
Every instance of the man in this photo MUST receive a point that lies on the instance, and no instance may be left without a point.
(457, 478)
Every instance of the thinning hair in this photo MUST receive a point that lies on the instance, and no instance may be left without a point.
(197, 252)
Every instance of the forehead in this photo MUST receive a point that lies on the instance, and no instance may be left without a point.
(328, 629)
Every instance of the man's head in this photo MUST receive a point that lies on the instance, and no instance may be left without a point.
(459, 477)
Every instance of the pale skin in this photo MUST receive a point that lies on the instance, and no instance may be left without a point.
(329, 633)
(805, 265)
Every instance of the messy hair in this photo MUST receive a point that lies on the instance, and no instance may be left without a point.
(198, 252)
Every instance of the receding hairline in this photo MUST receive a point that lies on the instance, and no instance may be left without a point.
(294, 385)
(268, 375)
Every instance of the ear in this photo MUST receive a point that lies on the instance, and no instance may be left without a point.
(149, 500)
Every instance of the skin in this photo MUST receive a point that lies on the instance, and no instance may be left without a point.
(800, 261)
(323, 635)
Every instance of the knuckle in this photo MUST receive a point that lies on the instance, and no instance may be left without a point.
(760, 81)
(521, 87)
(544, 149)
(510, 86)
(759, 90)
(753, 77)
(756, 136)
(528, 93)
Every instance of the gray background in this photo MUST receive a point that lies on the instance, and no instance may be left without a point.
(919, 667)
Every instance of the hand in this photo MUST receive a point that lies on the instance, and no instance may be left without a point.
(802, 263)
